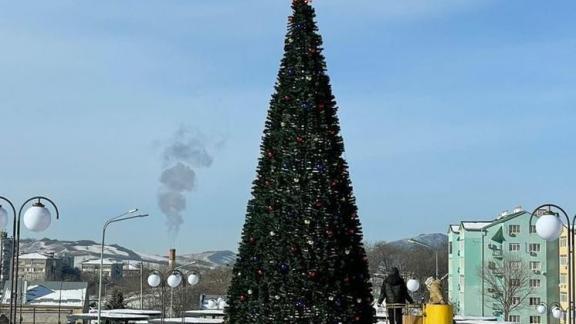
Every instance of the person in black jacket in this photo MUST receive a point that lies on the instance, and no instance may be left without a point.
(394, 291)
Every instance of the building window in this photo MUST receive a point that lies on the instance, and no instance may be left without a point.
(534, 319)
(535, 265)
(515, 282)
(563, 297)
(514, 318)
(563, 241)
(513, 229)
(450, 248)
(534, 283)
(514, 247)
(533, 301)
(534, 247)
(563, 260)
(515, 300)
(532, 229)
(515, 265)
(563, 279)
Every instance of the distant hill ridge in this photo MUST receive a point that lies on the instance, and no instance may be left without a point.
(86, 249)
(435, 240)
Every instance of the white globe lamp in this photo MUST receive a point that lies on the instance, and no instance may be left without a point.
(541, 309)
(549, 227)
(37, 218)
(193, 279)
(413, 285)
(222, 304)
(174, 280)
(211, 304)
(556, 312)
(3, 217)
(154, 280)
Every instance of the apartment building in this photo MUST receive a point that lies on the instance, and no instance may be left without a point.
(475, 247)
(39, 267)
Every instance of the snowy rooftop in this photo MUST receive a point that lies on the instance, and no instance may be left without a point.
(477, 320)
(475, 225)
(132, 265)
(189, 320)
(52, 293)
(33, 256)
(455, 228)
(106, 261)
(108, 315)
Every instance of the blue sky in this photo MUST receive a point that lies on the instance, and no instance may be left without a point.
(450, 109)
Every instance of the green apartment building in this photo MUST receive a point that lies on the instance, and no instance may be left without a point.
(475, 247)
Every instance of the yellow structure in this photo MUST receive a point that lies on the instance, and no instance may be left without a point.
(563, 253)
(438, 314)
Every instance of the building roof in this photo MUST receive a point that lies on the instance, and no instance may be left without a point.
(455, 228)
(34, 256)
(105, 261)
(131, 267)
(507, 217)
(475, 226)
(52, 293)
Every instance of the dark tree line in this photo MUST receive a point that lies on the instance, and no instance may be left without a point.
(412, 261)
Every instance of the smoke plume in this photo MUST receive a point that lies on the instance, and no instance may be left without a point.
(182, 154)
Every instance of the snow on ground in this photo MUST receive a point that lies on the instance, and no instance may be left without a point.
(95, 249)
(151, 257)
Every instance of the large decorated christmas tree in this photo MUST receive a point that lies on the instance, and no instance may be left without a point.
(301, 259)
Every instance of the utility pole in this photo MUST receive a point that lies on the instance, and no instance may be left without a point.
(141, 284)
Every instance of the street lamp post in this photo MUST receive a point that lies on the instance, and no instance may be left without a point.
(37, 218)
(174, 279)
(119, 218)
(141, 284)
(549, 227)
(3, 223)
(430, 247)
(553, 309)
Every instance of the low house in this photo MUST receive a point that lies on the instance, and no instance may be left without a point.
(111, 268)
(132, 268)
(49, 301)
(212, 302)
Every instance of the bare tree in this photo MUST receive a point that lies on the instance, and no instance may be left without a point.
(412, 261)
(507, 283)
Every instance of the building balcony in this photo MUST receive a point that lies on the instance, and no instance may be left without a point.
(498, 272)
(497, 254)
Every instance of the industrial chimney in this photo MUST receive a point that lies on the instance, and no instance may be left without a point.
(172, 259)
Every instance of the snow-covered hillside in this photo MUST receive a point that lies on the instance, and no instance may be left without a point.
(86, 250)
(436, 240)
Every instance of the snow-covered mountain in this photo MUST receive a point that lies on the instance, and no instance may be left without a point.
(436, 240)
(86, 250)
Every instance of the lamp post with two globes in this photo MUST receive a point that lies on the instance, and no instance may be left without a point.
(174, 279)
(549, 227)
(37, 218)
(555, 309)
